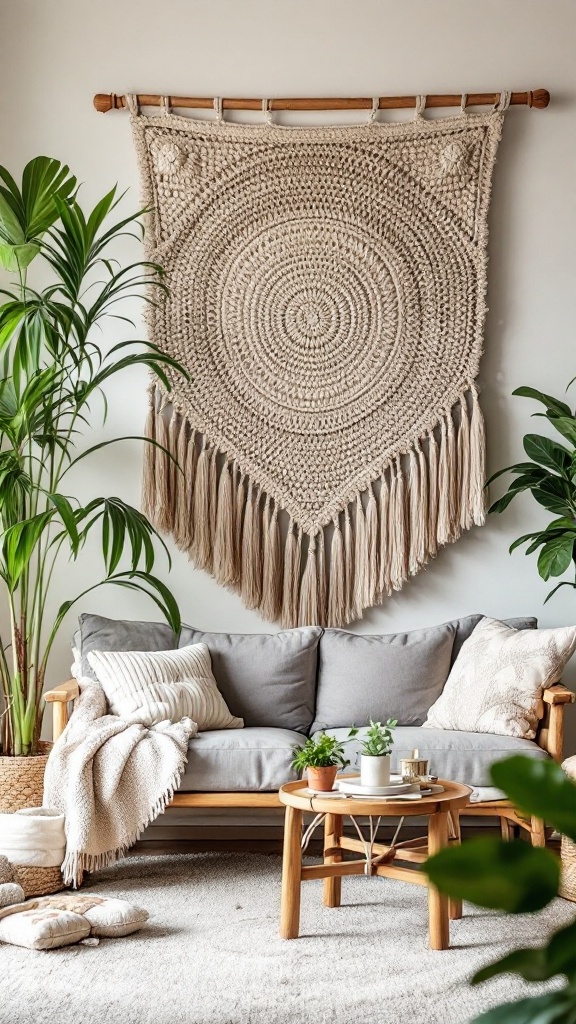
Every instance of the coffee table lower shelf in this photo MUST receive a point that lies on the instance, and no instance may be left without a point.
(384, 861)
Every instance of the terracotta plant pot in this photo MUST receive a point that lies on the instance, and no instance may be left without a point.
(22, 780)
(322, 779)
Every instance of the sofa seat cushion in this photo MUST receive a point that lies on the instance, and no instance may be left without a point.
(458, 756)
(266, 679)
(240, 760)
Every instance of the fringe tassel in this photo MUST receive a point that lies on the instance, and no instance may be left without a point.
(384, 585)
(453, 503)
(240, 503)
(183, 485)
(336, 597)
(213, 489)
(361, 598)
(163, 516)
(443, 532)
(464, 465)
(397, 527)
(322, 588)
(308, 612)
(291, 581)
(348, 568)
(149, 490)
(201, 547)
(477, 462)
(272, 571)
(224, 560)
(415, 513)
(252, 551)
(432, 542)
(422, 546)
(372, 549)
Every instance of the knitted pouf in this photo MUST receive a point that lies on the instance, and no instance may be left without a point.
(568, 848)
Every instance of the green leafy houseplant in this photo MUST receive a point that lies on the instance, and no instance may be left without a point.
(518, 878)
(550, 476)
(321, 752)
(52, 375)
(378, 739)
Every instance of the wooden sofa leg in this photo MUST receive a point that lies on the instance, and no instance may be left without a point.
(537, 832)
(506, 829)
(455, 837)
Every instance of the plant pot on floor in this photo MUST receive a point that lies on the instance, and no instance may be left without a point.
(22, 780)
(322, 779)
(374, 771)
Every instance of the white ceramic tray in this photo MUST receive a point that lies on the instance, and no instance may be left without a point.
(353, 788)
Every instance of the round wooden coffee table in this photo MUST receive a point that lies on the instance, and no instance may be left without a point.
(441, 810)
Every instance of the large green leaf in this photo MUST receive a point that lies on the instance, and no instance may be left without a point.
(512, 876)
(19, 544)
(556, 556)
(552, 404)
(565, 425)
(547, 453)
(537, 963)
(539, 787)
(553, 1008)
(27, 213)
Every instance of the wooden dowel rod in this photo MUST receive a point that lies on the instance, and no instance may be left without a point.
(538, 98)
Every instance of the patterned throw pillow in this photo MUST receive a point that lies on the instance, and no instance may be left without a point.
(163, 685)
(66, 918)
(497, 680)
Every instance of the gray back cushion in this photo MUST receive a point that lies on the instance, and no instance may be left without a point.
(97, 633)
(266, 679)
(465, 627)
(399, 675)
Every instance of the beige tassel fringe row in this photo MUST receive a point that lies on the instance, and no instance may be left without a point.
(426, 496)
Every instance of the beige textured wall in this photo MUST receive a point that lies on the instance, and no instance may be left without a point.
(58, 53)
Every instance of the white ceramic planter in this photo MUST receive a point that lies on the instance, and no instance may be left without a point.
(374, 771)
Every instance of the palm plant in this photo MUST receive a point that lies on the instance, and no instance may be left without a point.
(52, 373)
(550, 476)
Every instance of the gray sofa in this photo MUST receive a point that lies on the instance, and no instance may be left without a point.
(295, 683)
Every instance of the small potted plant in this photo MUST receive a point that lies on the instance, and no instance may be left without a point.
(321, 757)
(375, 754)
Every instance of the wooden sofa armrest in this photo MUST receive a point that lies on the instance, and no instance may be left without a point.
(558, 694)
(59, 698)
(550, 734)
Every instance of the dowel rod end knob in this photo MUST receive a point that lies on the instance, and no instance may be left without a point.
(539, 98)
(104, 101)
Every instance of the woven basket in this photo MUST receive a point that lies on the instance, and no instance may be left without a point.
(22, 780)
(38, 881)
(568, 848)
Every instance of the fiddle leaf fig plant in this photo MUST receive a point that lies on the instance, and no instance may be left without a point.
(550, 476)
(518, 878)
(53, 372)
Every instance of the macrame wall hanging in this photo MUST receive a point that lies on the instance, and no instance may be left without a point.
(327, 297)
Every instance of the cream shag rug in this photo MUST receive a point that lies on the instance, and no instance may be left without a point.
(211, 954)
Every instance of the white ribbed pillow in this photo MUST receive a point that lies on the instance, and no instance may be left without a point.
(164, 685)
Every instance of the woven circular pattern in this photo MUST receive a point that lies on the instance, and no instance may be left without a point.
(326, 290)
(22, 780)
(38, 881)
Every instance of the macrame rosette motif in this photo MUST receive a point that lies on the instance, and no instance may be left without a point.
(327, 298)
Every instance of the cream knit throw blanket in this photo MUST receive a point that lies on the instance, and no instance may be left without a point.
(110, 777)
(327, 297)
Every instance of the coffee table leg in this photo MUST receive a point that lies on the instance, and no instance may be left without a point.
(439, 928)
(291, 874)
(454, 905)
(332, 889)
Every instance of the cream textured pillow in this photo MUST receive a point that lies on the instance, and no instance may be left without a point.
(41, 927)
(497, 680)
(163, 685)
